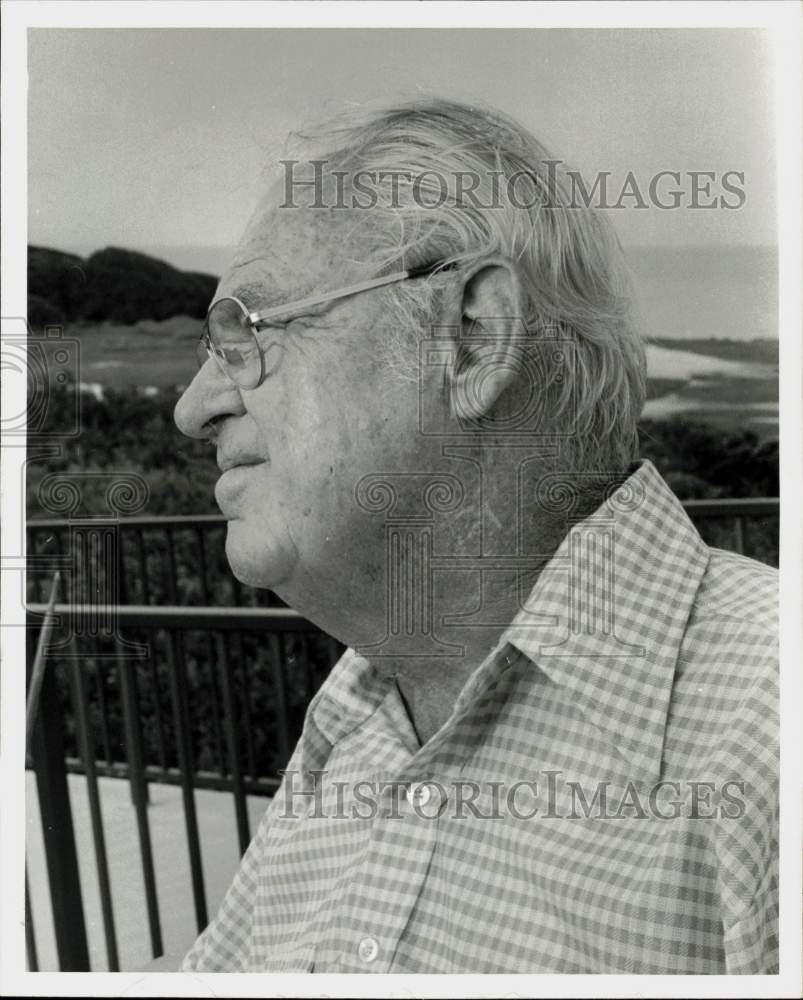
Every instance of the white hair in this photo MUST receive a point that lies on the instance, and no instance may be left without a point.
(522, 206)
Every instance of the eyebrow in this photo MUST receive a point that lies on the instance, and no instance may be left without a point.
(256, 298)
(257, 295)
(251, 292)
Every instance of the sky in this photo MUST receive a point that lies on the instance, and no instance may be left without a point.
(158, 139)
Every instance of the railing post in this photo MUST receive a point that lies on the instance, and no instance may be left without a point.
(47, 749)
(181, 715)
(232, 733)
(136, 774)
(86, 749)
(30, 936)
(738, 534)
(276, 652)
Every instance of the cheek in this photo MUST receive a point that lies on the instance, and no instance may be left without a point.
(327, 421)
(313, 429)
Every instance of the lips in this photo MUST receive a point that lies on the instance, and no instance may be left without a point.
(234, 480)
(226, 462)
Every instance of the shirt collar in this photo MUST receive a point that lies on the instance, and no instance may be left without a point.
(608, 613)
(605, 619)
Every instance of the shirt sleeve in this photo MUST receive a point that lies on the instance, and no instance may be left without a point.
(747, 843)
(751, 942)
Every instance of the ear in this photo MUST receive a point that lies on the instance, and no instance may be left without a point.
(488, 358)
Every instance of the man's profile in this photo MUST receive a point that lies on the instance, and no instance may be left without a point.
(551, 745)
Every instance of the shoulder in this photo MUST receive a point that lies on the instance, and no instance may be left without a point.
(731, 638)
(731, 641)
(724, 709)
(740, 589)
(723, 729)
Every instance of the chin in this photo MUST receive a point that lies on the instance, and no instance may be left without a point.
(261, 561)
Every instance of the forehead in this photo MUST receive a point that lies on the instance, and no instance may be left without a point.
(287, 253)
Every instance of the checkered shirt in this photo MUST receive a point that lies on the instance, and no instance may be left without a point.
(631, 707)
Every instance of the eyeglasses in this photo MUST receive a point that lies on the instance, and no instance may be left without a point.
(229, 334)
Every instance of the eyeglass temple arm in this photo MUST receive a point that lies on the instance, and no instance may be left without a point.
(342, 293)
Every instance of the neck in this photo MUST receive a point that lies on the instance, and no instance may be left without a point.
(432, 650)
(430, 685)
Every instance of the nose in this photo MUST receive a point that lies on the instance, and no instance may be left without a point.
(209, 398)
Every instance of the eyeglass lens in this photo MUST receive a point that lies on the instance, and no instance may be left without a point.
(233, 342)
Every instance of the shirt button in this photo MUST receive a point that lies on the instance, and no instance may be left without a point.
(419, 794)
(368, 949)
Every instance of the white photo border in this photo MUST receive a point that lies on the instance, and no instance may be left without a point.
(783, 21)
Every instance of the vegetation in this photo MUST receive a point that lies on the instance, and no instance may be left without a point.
(112, 284)
(127, 430)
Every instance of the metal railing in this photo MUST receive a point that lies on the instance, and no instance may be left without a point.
(177, 560)
(65, 739)
(180, 560)
(737, 516)
(165, 669)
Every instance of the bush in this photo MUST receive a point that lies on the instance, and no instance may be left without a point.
(117, 285)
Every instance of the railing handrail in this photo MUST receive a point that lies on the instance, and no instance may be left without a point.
(714, 507)
(733, 507)
(188, 616)
(138, 520)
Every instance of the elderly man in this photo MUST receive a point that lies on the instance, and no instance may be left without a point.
(551, 744)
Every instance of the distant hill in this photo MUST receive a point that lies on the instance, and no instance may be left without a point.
(111, 285)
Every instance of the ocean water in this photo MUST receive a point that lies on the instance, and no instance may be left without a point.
(682, 293)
